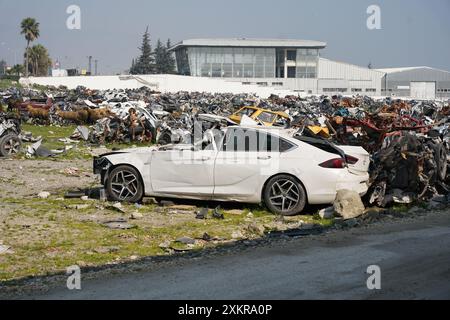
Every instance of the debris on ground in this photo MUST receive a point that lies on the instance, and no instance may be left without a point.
(185, 240)
(217, 214)
(408, 139)
(120, 224)
(44, 194)
(348, 204)
(202, 213)
(326, 213)
(5, 249)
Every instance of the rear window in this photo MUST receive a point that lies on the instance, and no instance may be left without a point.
(318, 142)
(254, 141)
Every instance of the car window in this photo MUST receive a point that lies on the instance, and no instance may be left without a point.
(218, 136)
(280, 121)
(238, 140)
(247, 111)
(267, 117)
(245, 140)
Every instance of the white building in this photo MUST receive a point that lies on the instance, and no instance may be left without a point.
(293, 65)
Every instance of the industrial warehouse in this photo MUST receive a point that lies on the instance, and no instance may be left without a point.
(297, 65)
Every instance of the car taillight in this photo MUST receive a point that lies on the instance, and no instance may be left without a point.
(351, 160)
(337, 163)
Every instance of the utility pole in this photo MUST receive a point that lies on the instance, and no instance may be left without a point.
(95, 66)
(90, 65)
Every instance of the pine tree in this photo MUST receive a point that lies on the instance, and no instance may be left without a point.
(145, 63)
(170, 61)
(133, 67)
(160, 58)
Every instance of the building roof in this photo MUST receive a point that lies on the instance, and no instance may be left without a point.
(246, 42)
(397, 70)
(352, 65)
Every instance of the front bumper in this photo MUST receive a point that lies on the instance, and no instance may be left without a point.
(101, 165)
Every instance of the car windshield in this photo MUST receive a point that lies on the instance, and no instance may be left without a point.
(267, 117)
(247, 112)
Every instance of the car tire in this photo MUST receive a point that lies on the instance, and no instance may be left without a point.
(124, 184)
(10, 145)
(284, 195)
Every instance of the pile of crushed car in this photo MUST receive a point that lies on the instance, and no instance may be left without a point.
(408, 140)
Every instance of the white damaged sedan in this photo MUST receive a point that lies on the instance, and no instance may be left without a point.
(279, 167)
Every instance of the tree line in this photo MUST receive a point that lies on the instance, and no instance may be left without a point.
(36, 58)
(158, 61)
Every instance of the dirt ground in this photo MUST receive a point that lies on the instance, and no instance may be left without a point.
(26, 178)
(44, 236)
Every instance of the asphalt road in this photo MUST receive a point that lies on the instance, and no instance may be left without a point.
(413, 255)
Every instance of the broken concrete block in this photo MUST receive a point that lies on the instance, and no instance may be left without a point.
(348, 204)
(136, 215)
(327, 213)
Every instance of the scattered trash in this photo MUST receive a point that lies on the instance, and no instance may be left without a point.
(116, 207)
(185, 240)
(44, 194)
(71, 171)
(202, 213)
(5, 249)
(118, 224)
(136, 215)
(217, 214)
(327, 213)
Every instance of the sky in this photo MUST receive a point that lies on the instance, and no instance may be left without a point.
(413, 32)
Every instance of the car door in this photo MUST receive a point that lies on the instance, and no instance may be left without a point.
(242, 165)
(184, 172)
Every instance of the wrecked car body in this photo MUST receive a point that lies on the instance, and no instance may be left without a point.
(10, 142)
(235, 163)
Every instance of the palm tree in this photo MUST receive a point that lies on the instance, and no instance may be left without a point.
(30, 28)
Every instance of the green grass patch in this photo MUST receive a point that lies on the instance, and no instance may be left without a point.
(7, 83)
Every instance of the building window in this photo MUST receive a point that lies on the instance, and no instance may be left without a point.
(356, 90)
(291, 55)
(262, 84)
(334, 89)
(291, 72)
(371, 90)
(277, 83)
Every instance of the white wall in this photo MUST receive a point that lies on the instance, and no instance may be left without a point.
(349, 76)
(163, 83)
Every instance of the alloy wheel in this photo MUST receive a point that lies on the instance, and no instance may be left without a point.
(284, 195)
(12, 146)
(124, 185)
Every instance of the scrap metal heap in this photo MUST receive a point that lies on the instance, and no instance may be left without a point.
(408, 140)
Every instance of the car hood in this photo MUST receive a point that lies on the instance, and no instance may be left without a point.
(131, 150)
